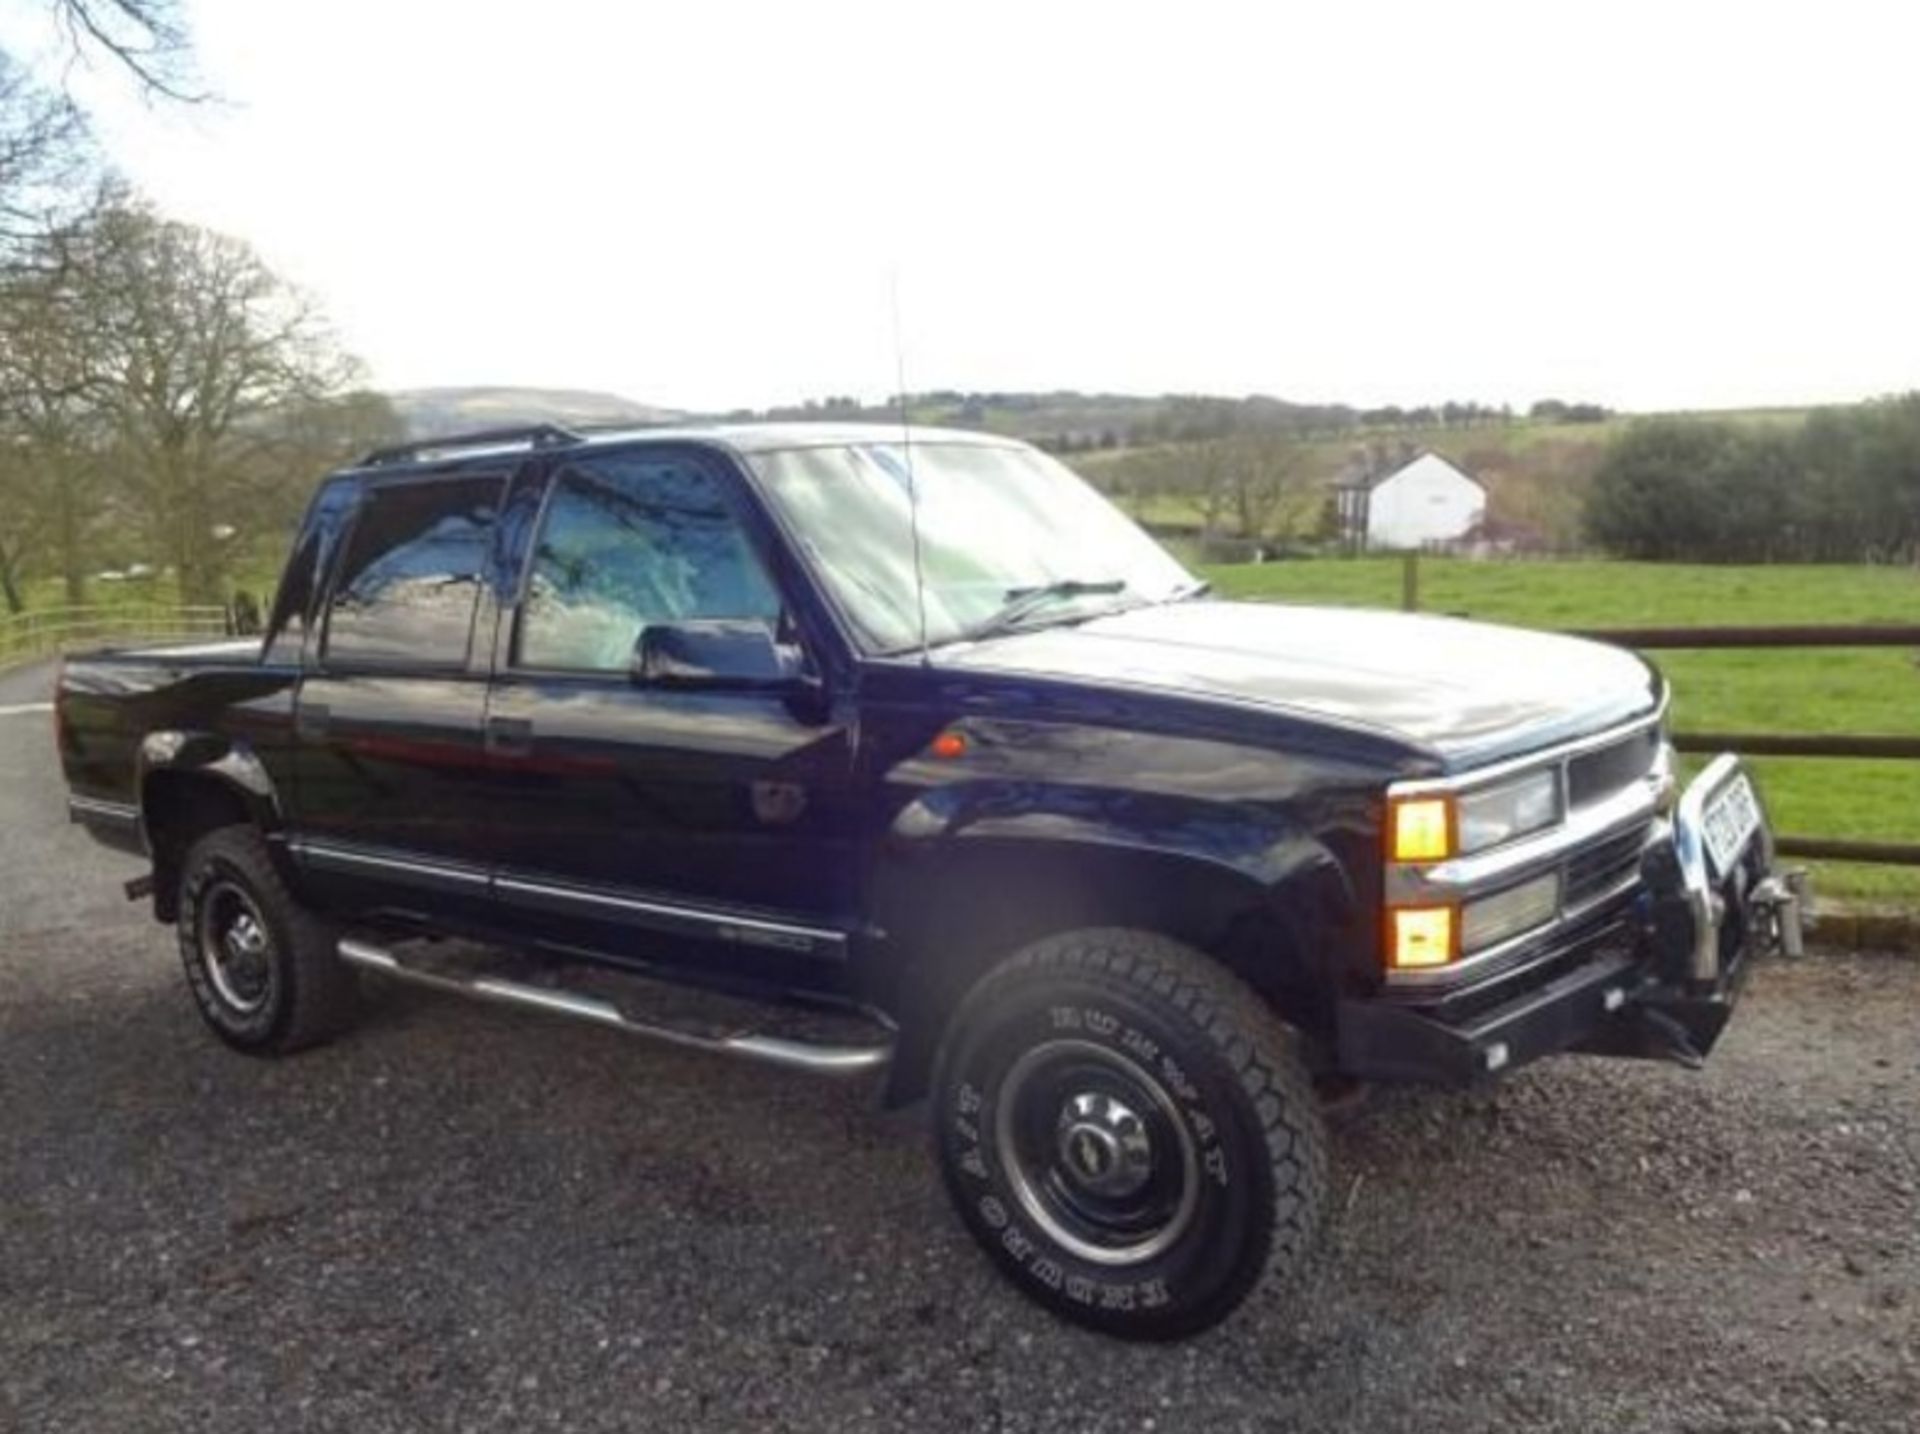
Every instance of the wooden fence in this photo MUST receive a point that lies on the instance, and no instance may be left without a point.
(42, 633)
(1770, 744)
(26, 636)
(1794, 744)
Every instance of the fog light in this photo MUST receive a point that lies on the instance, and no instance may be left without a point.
(1505, 914)
(1420, 936)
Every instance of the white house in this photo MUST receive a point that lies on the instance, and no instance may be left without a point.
(1427, 500)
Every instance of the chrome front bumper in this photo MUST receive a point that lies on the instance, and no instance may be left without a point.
(1761, 904)
(1659, 983)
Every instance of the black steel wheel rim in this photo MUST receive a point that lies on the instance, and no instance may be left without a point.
(236, 947)
(1096, 1152)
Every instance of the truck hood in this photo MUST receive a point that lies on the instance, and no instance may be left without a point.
(1470, 692)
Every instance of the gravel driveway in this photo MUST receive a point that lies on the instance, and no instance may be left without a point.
(464, 1218)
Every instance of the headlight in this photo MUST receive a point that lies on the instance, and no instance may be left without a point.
(1494, 815)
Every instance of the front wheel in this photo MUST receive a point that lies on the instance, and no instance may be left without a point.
(1129, 1131)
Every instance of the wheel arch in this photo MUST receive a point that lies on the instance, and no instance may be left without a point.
(190, 783)
(1269, 905)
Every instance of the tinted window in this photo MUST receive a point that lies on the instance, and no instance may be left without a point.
(293, 605)
(410, 574)
(628, 541)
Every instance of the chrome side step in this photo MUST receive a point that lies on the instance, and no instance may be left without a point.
(820, 1059)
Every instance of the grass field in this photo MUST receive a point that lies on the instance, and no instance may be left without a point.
(256, 575)
(1860, 690)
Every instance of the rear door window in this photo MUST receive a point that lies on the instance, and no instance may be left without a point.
(293, 604)
(408, 582)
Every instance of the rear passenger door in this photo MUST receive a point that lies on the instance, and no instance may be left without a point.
(390, 804)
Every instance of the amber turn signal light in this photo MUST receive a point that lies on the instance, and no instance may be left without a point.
(1421, 829)
(1420, 937)
(950, 745)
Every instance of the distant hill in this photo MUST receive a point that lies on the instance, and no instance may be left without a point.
(1068, 420)
(1140, 447)
(435, 412)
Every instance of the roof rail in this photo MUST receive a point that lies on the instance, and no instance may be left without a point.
(534, 435)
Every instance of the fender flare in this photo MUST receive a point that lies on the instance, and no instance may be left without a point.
(224, 764)
(969, 873)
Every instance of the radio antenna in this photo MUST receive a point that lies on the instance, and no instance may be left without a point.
(906, 453)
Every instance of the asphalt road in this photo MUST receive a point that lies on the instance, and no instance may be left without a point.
(464, 1218)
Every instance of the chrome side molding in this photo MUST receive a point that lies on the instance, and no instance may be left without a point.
(820, 1059)
(81, 808)
(701, 923)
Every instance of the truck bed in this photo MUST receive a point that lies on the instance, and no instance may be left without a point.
(108, 701)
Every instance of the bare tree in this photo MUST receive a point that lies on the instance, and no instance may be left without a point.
(52, 476)
(19, 526)
(1207, 475)
(1267, 470)
(46, 157)
(48, 387)
(1242, 484)
(277, 452)
(194, 348)
(147, 38)
(1245, 480)
(44, 153)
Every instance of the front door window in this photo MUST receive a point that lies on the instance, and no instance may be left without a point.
(628, 541)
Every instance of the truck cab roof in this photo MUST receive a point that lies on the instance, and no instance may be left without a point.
(739, 438)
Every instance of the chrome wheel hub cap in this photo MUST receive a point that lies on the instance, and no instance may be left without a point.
(1104, 1144)
(235, 947)
(1096, 1152)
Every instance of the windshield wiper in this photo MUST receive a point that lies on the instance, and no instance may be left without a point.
(1023, 603)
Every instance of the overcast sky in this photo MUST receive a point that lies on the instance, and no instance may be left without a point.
(706, 205)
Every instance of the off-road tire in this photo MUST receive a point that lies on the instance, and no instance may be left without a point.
(1233, 1080)
(300, 993)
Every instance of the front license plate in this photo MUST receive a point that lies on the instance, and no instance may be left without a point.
(1730, 821)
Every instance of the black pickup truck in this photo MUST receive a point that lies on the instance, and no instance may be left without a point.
(921, 753)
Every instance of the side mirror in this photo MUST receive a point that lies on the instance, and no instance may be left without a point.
(715, 652)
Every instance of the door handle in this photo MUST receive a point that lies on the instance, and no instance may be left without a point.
(310, 720)
(509, 736)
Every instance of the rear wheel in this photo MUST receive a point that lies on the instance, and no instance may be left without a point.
(1129, 1131)
(262, 968)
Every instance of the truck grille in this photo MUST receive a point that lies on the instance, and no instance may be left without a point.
(1594, 776)
(1595, 870)
(1612, 784)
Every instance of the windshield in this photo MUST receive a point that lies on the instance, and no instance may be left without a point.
(995, 523)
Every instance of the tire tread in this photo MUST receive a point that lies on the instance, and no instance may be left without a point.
(324, 994)
(1250, 1038)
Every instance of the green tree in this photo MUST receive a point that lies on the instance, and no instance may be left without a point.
(1882, 491)
(1845, 487)
(1656, 493)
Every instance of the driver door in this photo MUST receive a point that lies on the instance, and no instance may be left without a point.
(651, 821)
